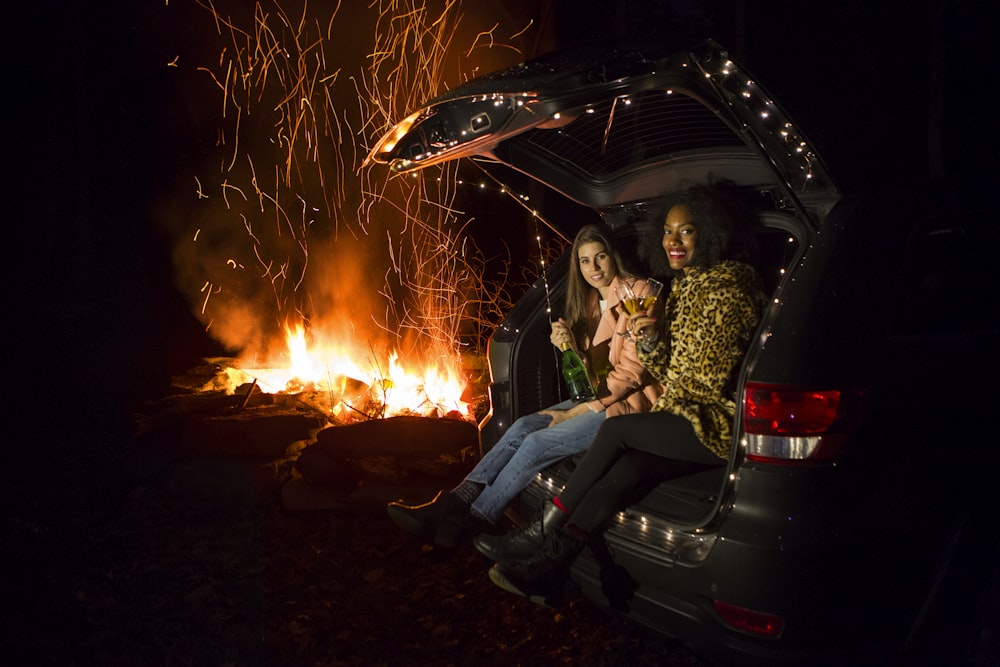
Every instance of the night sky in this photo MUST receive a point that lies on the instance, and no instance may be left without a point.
(96, 326)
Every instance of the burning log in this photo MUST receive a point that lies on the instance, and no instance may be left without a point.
(249, 393)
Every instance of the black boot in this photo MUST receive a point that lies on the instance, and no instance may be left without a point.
(524, 542)
(542, 578)
(444, 521)
(458, 525)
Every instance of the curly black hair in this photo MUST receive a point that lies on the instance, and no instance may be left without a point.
(725, 215)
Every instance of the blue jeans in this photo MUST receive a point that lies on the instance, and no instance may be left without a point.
(525, 449)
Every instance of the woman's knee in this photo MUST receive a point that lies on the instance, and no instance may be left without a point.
(612, 434)
(532, 443)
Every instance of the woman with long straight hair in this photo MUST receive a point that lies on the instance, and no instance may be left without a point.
(594, 325)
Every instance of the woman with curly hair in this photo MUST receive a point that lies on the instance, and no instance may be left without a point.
(694, 348)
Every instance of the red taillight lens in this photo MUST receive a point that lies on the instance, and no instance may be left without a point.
(790, 425)
(758, 623)
(776, 410)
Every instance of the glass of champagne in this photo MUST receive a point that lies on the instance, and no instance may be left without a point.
(639, 299)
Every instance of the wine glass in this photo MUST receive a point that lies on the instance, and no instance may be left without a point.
(638, 299)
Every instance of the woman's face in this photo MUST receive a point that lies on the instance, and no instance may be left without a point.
(596, 265)
(679, 238)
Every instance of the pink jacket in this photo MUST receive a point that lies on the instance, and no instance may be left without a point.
(625, 386)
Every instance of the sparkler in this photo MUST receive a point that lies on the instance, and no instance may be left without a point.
(297, 112)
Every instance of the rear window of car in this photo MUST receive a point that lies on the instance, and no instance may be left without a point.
(629, 130)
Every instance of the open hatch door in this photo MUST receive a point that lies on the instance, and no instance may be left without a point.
(606, 127)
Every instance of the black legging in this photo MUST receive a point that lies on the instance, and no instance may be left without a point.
(629, 456)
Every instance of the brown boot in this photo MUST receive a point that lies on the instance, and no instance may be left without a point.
(422, 520)
(444, 521)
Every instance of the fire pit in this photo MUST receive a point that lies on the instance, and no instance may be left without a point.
(316, 442)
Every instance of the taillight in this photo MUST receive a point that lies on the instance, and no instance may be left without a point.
(785, 424)
(758, 623)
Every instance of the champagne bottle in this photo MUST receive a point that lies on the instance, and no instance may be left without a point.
(576, 375)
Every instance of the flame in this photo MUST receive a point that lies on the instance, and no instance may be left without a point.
(331, 376)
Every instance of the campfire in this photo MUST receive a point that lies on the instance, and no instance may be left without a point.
(351, 291)
(379, 285)
(332, 379)
(317, 422)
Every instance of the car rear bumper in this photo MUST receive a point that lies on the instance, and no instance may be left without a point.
(806, 573)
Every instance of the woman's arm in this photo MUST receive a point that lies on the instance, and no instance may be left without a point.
(625, 376)
(559, 416)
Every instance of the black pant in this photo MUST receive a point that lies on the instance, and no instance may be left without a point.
(630, 455)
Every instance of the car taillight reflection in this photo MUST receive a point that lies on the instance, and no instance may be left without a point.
(757, 623)
(793, 425)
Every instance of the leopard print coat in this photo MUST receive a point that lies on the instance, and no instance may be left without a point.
(710, 316)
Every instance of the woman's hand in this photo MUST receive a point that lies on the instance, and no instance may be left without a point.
(561, 334)
(560, 416)
(641, 325)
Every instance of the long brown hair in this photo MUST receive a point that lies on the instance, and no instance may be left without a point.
(578, 290)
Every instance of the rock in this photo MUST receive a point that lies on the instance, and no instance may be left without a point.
(214, 426)
(402, 436)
